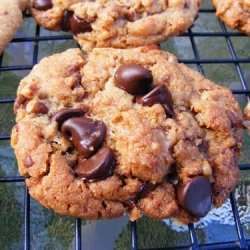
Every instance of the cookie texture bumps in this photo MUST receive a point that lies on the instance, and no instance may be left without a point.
(247, 116)
(11, 19)
(235, 13)
(118, 24)
(126, 131)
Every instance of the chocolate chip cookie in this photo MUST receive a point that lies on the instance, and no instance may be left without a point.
(11, 19)
(118, 24)
(235, 13)
(126, 131)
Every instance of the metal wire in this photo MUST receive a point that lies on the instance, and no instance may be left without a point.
(241, 243)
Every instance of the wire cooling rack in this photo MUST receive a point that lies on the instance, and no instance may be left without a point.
(242, 242)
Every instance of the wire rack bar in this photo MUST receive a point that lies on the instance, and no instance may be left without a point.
(78, 240)
(213, 34)
(7, 100)
(193, 237)
(244, 166)
(242, 241)
(41, 38)
(4, 137)
(17, 67)
(215, 246)
(12, 179)
(206, 10)
(233, 54)
(215, 61)
(133, 235)
(26, 219)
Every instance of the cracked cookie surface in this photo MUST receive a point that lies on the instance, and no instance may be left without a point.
(118, 24)
(11, 19)
(175, 133)
(235, 13)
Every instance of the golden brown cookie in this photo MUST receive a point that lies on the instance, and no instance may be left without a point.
(11, 19)
(119, 24)
(235, 13)
(120, 131)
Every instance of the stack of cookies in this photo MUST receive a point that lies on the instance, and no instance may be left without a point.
(125, 128)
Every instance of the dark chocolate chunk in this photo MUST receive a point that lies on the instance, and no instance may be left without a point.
(97, 167)
(159, 94)
(196, 196)
(203, 147)
(133, 78)
(145, 189)
(64, 114)
(78, 25)
(65, 22)
(42, 4)
(71, 22)
(86, 134)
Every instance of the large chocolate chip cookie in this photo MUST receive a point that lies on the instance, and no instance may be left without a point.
(121, 131)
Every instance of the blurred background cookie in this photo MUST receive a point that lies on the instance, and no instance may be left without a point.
(11, 19)
(118, 24)
(235, 13)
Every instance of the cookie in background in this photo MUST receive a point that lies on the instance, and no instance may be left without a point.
(11, 19)
(118, 24)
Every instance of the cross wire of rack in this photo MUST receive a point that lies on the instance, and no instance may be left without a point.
(242, 242)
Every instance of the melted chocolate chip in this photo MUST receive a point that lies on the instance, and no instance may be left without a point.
(42, 4)
(173, 176)
(159, 94)
(145, 189)
(64, 114)
(86, 135)
(78, 25)
(196, 196)
(65, 22)
(97, 167)
(133, 78)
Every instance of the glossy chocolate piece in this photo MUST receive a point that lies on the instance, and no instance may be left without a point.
(97, 167)
(71, 22)
(42, 4)
(86, 134)
(64, 114)
(134, 79)
(78, 25)
(161, 95)
(65, 22)
(196, 196)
